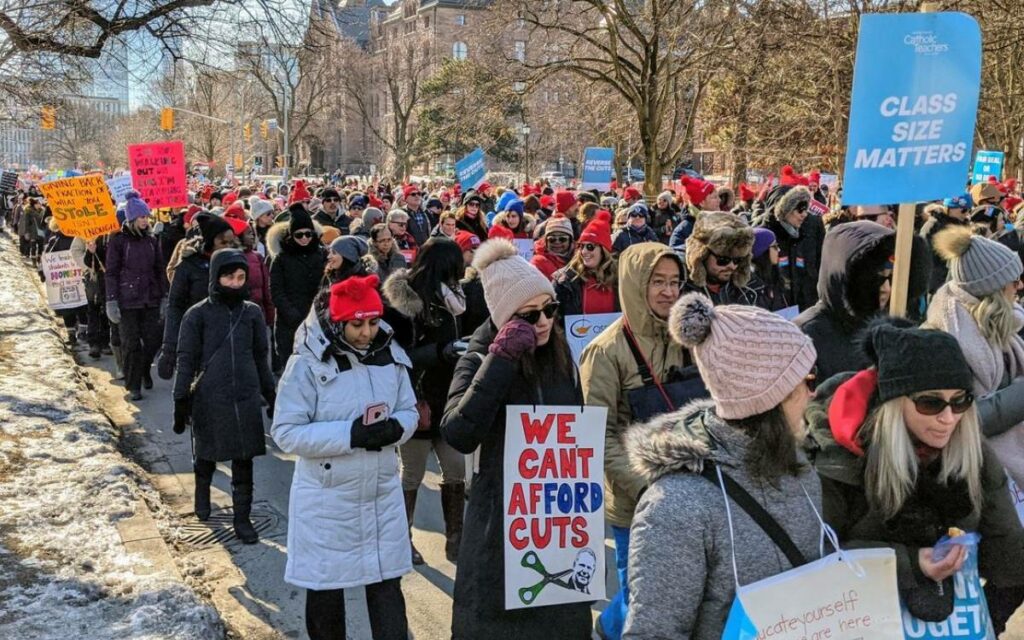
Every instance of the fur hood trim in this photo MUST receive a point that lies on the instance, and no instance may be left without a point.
(528, 223)
(672, 442)
(723, 234)
(400, 296)
(789, 202)
(277, 234)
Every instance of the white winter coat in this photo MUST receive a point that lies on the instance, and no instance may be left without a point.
(346, 515)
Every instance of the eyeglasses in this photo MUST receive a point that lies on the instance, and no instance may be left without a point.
(559, 239)
(299, 235)
(331, 200)
(637, 214)
(934, 405)
(533, 317)
(589, 246)
(665, 284)
(725, 261)
(414, 195)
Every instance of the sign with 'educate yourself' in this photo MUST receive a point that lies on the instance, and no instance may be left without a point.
(554, 505)
(914, 105)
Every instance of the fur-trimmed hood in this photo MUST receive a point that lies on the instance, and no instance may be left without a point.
(723, 234)
(277, 234)
(527, 224)
(682, 441)
(399, 294)
(782, 200)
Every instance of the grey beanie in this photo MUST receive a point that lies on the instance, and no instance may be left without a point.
(979, 265)
(350, 248)
(509, 281)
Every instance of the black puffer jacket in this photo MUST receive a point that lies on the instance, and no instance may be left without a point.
(424, 341)
(190, 285)
(295, 275)
(483, 386)
(799, 257)
(229, 345)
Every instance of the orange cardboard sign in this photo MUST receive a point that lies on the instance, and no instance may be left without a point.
(82, 206)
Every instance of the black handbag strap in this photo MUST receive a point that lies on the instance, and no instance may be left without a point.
(754, 509)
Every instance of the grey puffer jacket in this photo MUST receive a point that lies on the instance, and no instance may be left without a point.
(680, 573)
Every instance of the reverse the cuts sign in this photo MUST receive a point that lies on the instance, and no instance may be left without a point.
(554, 505)
(913, 109)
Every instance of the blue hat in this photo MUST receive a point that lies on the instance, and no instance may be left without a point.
(516, 205)
(134, 207)
(504, 200)
(962, 201)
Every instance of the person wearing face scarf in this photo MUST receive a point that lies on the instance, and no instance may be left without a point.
(636, 230)
(296, 268)
(424, 304)
(223, 378)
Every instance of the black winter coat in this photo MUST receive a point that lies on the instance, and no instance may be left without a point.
(475, 417)
(729, 293)
(228, 347)
(295, 275)
(799, 259)
(190, 285)
(173, 233)
(477, 312)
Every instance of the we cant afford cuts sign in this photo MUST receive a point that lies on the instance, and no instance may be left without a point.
(913, 109)
(554, 505)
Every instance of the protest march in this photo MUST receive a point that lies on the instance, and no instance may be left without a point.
(787, 405)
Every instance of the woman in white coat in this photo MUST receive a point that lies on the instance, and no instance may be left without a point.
(343, 406)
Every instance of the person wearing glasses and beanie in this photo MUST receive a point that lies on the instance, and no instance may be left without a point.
(419, 223)
(552, 251)
(636, 230)
(759, 370)
(901, 459)
(718, 259)
(588, 283)
(331, 212)
(344, 405)
(297, 261)
(520, 356)
(470, 218)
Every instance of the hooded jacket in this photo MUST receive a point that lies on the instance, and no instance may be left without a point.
(800, 255)
(628, 235)
(189, 284)
(681, 527)
(134, 275)
(527, 223)
(294, 275)
(852, 254)
(226, 347)
(608, 371)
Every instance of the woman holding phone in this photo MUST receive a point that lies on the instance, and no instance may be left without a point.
(344, 404)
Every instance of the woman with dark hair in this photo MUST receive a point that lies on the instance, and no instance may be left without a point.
(765, 279)
(470, 218)
(589, 283)
(382, 248)
(424, 304)
(519, 357)
(750, 430)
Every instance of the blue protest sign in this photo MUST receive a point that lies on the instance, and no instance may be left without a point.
(119, 187)
(987, 163)
(913, 109)
(598, 164)
(471, 169)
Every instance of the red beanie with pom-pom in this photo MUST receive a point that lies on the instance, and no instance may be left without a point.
(598, 231)
(356, 299)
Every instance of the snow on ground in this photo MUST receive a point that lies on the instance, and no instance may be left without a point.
(64, 485)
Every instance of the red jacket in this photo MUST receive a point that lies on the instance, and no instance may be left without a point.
(259, 285)
(545, 262)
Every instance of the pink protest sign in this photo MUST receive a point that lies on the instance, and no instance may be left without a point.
(158, 173)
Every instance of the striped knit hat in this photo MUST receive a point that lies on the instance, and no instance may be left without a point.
(979, 265)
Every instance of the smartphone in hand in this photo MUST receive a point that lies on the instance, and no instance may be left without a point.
(374, 413)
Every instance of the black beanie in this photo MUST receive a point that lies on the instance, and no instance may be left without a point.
(210, 227)
(911, 360)
(300, 218)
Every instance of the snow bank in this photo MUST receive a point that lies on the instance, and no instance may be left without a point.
(64, 572)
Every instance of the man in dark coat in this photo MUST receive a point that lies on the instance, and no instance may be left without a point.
(420, 223)
(297, 260)
(223, 378)
(331, 213)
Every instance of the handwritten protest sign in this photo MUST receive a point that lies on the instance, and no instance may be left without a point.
(81, 206)
(582, 329)
(970, 619)
(158, 173)
(554, 505)
(525, 247)
(119, 187)
(65, 288)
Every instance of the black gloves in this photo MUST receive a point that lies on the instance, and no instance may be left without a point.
(165, 365)
(271, 401)
(182, 415)
(377, 435)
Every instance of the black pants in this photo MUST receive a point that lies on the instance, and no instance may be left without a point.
(241, 471)
(1002, 603)
(99, 326)
(285, 337)
(325, 612)
(140, 340)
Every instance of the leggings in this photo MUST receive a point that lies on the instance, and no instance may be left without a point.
(325, 612)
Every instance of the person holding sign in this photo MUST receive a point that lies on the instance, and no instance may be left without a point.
(758, 368)
(344, 404)
(901, 458)
(519, 357)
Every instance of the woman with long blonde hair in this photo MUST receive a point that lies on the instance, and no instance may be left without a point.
(900, 454)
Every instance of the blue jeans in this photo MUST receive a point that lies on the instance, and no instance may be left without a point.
(613, 618)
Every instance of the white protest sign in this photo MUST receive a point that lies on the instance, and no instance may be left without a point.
(525, 247)
(580, 330)
(554, 505)
(119, 187)
(65, 288)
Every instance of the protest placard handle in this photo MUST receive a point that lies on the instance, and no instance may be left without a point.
(901, 267)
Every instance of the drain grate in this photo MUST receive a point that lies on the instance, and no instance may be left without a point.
(219, 529)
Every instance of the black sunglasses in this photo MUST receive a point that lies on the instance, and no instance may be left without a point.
(532, 317)
(331, 200)
(724, 261)
(934, 405)
(299, 235)
(414, 195)
(589, 246)
(559, 239)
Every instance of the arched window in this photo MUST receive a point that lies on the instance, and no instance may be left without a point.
(459, 51)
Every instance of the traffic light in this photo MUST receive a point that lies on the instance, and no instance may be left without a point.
(264, 130)
(239, 161)
(49, 118)
(247, 132)
(279, 161)
(167, 119)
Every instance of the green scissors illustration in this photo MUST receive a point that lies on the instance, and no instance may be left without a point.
(531, 561)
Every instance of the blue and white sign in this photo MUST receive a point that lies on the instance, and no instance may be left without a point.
(120, 186)
(598, 166)
(471, 169)
(582, 329)
(914, 105)
(987, 163)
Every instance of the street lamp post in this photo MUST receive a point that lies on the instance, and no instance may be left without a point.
(526, 139)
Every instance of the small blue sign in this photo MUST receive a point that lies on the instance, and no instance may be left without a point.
(914, 105)
(471, 169)
(598, 166)
(987, 163)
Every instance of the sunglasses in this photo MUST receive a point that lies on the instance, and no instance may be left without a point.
(559, 239)
(934, 405)
(472, 204)
(724, 261)
(299, 235)
(414, 195)
(589, 246)
(533, 317)
(331, 200)
(811, 380)
(637, 214)
(356, 207)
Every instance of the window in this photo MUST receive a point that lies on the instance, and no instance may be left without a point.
(459, 51)
(460, 20)
(520, 50)
(426, 22)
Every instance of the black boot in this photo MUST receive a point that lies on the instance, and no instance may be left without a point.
(147, 380)
(241, 496)
(204, 477)
(95, 352)
(453, 502)
(410, 509)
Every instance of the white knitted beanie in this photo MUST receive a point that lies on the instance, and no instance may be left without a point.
(509, 281)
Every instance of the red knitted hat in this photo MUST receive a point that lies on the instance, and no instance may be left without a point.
(497, 231)
(238, 226)
(229, 199)
(356, 298)
(789, 177)
(547, 202)
(697, 190)
(814, 177)
(598, 231)
(746, 193)
(410, 188)
(564, 200)
(468, 241)
(191, 213)
(299, 193)
(631, 192)
(236, 210)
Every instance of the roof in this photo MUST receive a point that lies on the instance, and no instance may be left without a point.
(351, 21)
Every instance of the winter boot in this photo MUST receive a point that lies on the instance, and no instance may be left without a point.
(147, 380)
(410, 509)
(453, 502)
(95, 352)
(118, 363)
(204, 477)
(241, 496)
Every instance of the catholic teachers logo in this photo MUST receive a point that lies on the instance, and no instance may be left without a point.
(584, 328)
(925, 43)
